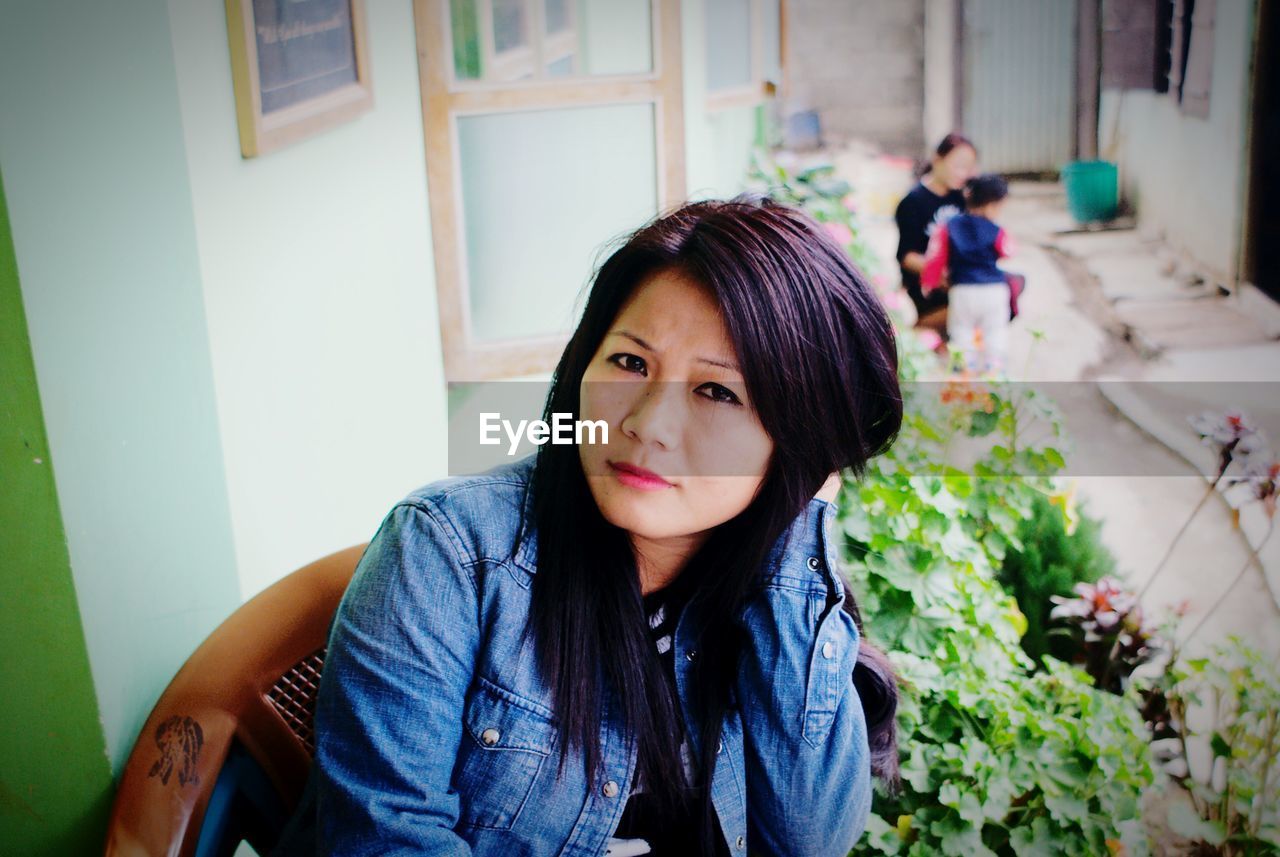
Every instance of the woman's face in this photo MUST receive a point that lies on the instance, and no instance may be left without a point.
(956, 167)
(686, 451)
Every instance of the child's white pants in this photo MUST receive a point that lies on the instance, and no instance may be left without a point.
(978, 324)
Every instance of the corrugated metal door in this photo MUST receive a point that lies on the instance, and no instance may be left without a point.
(1018, 99)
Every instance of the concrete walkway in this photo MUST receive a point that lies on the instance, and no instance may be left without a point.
(1123, 340)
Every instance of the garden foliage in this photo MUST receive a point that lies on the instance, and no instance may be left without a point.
(1054, 557)
(1233, 805)
(999, 757)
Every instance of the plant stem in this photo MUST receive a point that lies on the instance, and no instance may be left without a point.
(1160, 566)
(1253, 554)
(1178, 712)
(1261, 799)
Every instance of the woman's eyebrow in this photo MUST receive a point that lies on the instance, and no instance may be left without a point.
(637, 340)
(732, 367)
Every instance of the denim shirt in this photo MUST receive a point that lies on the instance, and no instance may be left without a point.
(435, 731)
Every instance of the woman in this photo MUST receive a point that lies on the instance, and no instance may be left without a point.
(558, 656)
(935, 199)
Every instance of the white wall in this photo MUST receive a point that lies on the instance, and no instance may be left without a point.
(940, 25)
(319, 291)
(1186, 175)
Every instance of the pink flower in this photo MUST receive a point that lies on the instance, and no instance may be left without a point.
(850, 204)
(1100, 607)
(1224, 428)
(841, 233)
(1227, 431)
(893, 300)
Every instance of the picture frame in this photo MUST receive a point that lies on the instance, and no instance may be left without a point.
(298, 67)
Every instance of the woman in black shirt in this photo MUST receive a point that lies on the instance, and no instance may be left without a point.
(937, 197)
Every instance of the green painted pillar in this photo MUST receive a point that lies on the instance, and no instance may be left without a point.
(55, 780)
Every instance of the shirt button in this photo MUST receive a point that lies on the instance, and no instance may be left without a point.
(490, 736)
(742, 843)
(814, 564)
(720, 746)
(692, 654)
(610, 789)
(828, 649)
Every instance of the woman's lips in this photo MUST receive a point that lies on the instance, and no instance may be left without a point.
(638, 477)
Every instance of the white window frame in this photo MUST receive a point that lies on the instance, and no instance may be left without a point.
(758, 89)
(445, 99)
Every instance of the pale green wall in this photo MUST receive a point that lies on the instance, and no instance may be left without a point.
(92, 151)
(319, 290)
(1186, 175)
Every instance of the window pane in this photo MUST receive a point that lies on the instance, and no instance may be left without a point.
(510, 25)
(616, 36)
(728, 44)
(561, 67)
(464, 23)
(542, 192)
(602, 36)
(557, 16)
(605, 37)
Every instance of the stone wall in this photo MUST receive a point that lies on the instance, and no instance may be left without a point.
(860, 64)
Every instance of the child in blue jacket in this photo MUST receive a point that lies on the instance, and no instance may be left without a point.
(966, 248)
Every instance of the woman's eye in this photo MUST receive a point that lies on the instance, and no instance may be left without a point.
(719, 393)
(629, 363)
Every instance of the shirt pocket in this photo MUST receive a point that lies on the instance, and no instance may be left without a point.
(505, 742)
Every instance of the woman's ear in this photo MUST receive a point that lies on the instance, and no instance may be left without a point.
(830, 488)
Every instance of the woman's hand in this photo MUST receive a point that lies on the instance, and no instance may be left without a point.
(913, 262)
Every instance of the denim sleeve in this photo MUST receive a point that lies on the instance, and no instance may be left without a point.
(805, 738)
(389, 714)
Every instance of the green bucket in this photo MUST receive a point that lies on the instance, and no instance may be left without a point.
(1091, 190)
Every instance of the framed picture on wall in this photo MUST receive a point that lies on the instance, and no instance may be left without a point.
(298, 67)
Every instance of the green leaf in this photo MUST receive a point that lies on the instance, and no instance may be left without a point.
(1066, 808)
(983, 423)
(1185, 821)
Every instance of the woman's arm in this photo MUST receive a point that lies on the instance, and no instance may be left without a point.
(913, 262)
(389, 715)
(805, 738)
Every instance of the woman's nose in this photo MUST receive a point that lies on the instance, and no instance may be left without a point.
(655, 416)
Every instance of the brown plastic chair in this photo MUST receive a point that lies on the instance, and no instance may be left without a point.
(236, 718)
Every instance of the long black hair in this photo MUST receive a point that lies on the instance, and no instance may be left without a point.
(819, 361)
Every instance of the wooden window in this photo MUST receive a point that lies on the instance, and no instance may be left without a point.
(1191, 55)
(1130, 40)
(743, 51)
(1197, 65)
(1164, 44)
(549, 126)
